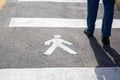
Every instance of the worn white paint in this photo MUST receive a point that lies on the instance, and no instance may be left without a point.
(80, 1)
(112, 73)
(58, 42)
(56, 22)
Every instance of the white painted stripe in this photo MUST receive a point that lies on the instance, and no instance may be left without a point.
(61, 74)
(79, 1)
(56, 22)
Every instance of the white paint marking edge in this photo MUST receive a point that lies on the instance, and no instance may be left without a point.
(56, 22)
(60, 73)
(109, 73)
(79, 1)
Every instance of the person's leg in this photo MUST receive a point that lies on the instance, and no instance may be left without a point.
(108, 17)
(107, 20)
(92, 9)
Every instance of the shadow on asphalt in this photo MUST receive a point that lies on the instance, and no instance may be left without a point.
(104, 57)
(112, 52)
(104, 54)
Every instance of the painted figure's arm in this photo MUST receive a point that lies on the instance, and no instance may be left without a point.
(49, 42)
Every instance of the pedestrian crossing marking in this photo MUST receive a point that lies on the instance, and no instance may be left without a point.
(72, 1)
(110, 73)
(2, 3)
(58, 42)
(56, 22)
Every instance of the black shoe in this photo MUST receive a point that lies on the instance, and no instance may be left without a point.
(106, 41)
(87, 34)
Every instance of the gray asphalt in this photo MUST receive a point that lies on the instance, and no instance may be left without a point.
(24, 47)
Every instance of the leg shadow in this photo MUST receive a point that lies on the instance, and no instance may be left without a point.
(102, 57)
(114, 54)
(107, 67)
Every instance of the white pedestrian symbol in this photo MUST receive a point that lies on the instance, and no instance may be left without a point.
(58, 42)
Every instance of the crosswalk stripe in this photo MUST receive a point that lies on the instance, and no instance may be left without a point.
(56, 22)
(111, 73)
(79, 1)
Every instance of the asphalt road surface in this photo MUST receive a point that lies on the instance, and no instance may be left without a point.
(40, 34)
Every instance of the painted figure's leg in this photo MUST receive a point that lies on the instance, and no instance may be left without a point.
(67, 49)
(50, 50)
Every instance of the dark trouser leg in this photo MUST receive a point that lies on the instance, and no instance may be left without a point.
(91, 15)
(108, 17)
